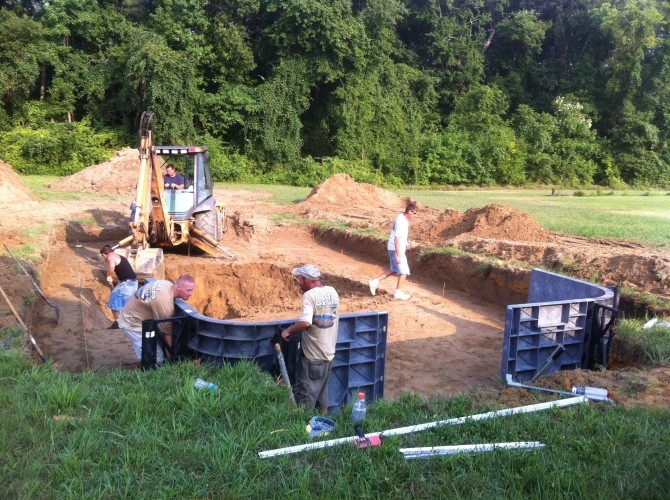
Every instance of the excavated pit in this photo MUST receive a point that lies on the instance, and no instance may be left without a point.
(445, 339)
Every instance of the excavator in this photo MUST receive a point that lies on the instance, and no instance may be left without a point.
(163, 217)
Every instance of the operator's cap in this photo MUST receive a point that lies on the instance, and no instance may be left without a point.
(307, 271)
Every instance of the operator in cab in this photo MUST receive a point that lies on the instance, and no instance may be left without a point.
(172, 179)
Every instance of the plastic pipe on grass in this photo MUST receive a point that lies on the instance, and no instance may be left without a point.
(427, 452)
(561, 403)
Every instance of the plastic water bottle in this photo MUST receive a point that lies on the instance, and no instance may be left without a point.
(590, 392)
(203, 384)
(359, 410)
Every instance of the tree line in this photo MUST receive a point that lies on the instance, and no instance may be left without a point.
(424, 92)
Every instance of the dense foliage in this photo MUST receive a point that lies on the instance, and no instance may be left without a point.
(473, 92)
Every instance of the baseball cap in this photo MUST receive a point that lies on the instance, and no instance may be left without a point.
(307, 271)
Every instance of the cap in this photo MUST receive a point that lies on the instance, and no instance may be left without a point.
(307, 271)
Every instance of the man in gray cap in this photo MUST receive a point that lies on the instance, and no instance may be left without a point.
(318, 322)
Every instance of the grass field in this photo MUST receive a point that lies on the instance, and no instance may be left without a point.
(637, 216)
(131, 434)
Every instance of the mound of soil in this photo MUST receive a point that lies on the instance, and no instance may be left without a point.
(12, 188)
(115, 176)
(500, 222)
(342, 190)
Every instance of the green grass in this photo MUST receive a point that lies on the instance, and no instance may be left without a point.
(627, 215)
(638, 216)
(653, 342)
(150, 434)
(38, 185)
(26, 252)
(281, 195)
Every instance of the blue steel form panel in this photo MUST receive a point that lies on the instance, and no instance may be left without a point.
(360, 356)
(534, 331)
(559, 316)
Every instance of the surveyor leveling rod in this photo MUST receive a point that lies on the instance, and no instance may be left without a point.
(18, 318)
(35, 285)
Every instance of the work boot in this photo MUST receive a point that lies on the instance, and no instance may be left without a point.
(400, 295)
(114, 326)
(373, 284)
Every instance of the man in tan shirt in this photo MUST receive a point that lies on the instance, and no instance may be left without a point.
(154, 300)
(318, 323)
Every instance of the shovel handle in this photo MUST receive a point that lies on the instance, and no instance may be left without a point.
(18, 318)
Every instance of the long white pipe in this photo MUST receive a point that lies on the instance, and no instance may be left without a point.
(428, 452)
(422, 427)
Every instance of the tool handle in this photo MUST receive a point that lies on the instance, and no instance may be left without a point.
(16, 315)
(284, 371)
(25, 271)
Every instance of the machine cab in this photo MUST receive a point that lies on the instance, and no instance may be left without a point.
(192, 162)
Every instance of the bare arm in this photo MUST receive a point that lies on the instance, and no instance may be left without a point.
(299, 326)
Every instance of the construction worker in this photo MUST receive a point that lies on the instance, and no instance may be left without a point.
(172, 179)
(318, 323)
(397, 246)
(154, 300)
(127, 281)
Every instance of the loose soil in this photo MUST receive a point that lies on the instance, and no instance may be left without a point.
(445, 340)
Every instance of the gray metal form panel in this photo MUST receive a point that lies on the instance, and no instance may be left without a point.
(558, 315)
(360, 357)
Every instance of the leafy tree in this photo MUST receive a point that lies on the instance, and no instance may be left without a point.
(274, 129)
(514, 55)
(480, 147)
(22, 53)
(561, 148)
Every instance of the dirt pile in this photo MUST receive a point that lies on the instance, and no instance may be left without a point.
(12, 188)
(500, 222)
(344, 191)
(115, 176)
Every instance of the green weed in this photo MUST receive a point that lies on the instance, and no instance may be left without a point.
(28, 252)
(30, 298)
(654, 342)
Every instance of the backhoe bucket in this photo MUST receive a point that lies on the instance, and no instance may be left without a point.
(147, 263)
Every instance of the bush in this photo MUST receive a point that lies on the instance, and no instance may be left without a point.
(57, 148)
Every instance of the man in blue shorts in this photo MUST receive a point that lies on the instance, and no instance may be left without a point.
(397, 247)
(127, 285)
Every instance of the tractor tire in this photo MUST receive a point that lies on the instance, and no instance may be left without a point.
(209, 222)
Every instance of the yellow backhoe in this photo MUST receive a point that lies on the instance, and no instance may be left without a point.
(166, 215)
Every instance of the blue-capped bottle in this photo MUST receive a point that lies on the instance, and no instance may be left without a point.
(201, 384)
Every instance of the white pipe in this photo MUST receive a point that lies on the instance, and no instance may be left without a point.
(428, 452)
(593, 393)
(421, 427)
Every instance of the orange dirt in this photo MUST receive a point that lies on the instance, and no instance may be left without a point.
(446, 339)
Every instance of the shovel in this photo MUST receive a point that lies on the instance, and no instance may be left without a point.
(284, 371)
(35, 285)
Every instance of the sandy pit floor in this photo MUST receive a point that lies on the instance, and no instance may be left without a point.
(443, 340)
